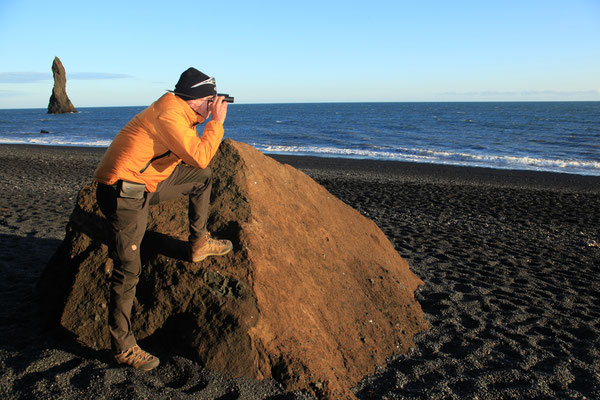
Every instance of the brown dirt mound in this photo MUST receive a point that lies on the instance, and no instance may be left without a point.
(313, 295)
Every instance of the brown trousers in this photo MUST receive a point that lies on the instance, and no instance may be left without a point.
(127, 219)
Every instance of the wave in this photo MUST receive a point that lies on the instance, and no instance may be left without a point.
(57, 142)
(375, 152)
(583, 167)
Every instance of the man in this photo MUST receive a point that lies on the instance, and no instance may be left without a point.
(158, 156)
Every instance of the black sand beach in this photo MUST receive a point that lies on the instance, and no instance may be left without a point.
(510, 259)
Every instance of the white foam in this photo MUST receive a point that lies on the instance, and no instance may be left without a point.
(584, 167)
(57, 142)
(443, 157)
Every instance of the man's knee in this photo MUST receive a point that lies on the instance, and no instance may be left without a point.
(188, 176)
(123, 281)
(202, 179)
(203, 175)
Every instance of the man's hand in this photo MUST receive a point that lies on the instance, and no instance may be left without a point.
(218, 107)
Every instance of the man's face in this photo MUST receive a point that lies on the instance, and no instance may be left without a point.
(201, 106)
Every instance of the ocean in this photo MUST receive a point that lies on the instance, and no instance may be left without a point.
(543, 136)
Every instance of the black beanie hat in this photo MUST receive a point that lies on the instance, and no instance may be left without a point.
(193, 84)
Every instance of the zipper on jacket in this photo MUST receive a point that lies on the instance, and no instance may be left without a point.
(154, 159)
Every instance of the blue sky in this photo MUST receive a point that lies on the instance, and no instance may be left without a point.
(129, 52)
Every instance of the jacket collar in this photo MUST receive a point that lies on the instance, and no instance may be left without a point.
(189, 112)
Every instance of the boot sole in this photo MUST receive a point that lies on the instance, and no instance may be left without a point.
(148, 367)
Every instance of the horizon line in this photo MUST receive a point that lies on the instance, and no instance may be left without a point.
(346, 102)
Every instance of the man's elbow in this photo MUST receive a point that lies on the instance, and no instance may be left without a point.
(203, 164)
(201, 157)
(200, 162)
(197, 163)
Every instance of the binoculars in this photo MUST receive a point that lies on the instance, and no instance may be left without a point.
(227, 99)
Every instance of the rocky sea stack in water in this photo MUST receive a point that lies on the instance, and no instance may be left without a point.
(59, 101)
(314, 295)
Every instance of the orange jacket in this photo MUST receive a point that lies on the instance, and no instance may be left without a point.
(150, 146)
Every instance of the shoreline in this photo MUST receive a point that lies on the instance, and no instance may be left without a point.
(408, 170)
(510, 261)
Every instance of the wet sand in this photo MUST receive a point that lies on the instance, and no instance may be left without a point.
(510, 260)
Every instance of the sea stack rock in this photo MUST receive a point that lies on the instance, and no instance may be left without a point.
(313, 295)
(59, 101)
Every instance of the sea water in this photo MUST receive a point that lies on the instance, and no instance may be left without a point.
(543, 136)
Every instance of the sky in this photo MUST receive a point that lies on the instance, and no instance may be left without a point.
(129, 52)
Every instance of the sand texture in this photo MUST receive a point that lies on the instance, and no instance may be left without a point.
(510, 262)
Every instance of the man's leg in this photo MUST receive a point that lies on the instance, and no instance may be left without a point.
(197, 183)
(127, 221)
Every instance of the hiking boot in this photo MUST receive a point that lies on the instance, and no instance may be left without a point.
(137, 358)
(207, 246)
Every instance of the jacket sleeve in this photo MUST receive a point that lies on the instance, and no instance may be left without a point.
(175, 133)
